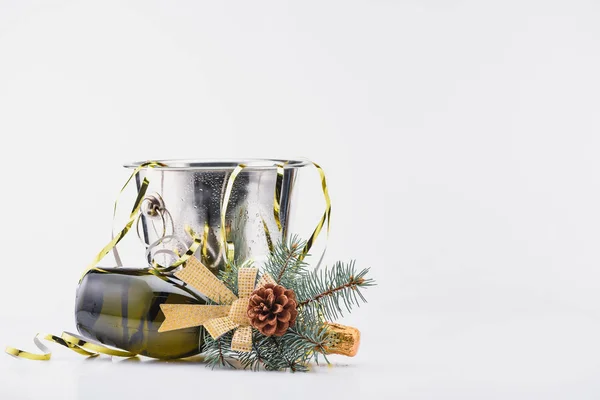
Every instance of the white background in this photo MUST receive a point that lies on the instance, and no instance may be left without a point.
(461, 142)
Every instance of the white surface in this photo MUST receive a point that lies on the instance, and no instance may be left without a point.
(461, 144)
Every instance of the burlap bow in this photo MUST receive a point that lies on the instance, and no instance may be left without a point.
(231, 311)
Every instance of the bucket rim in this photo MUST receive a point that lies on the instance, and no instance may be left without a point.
(226, 164)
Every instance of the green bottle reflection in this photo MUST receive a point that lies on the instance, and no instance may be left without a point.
(121, 307)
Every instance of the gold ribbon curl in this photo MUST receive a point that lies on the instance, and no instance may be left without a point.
(231, 313)
(325, 218)
(132, 216)
(280, 169)
(69, 340)
(226, 245)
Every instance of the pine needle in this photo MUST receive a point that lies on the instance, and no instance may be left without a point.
(330, 290)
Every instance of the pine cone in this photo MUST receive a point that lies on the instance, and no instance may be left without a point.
(272, 309)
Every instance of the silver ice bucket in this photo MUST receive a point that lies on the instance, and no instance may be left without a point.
(185, 194)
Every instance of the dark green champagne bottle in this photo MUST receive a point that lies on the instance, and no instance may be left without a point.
(120, 307)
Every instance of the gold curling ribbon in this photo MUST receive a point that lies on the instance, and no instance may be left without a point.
(228, 246)
(230, 314)
(149, 164)
(276, 205)
(69, 340)
(205, 241)
(326, 216)
(277, 196)
(132, 216)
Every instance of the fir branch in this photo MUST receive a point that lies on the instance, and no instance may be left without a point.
(217, 352)
(285, 263)
(324, 291)
(310, 338)
(277, 353)
(255, 358)
(286, 357)
(265, 353)
(332, 291)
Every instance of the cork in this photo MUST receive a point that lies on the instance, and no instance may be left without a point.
(347, 339)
